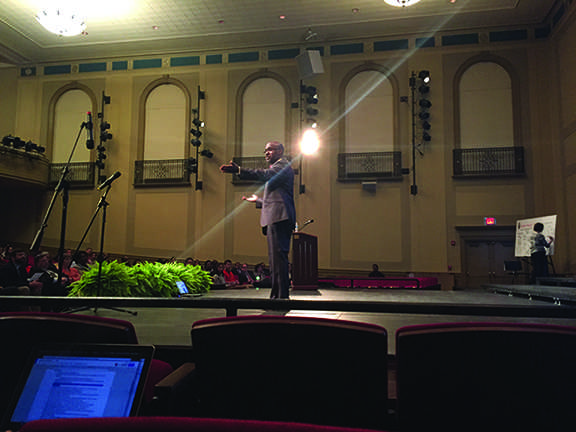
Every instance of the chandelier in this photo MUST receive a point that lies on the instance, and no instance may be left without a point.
(401, 3)
(61, 21)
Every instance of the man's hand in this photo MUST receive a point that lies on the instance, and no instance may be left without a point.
(231, 168)
(252, 198)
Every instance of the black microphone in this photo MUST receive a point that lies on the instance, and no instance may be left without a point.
(90, 129)
(109, 180)
(308, 222)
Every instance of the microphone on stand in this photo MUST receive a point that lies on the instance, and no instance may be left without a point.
(308, 222)
(109, 180)
(90, 129)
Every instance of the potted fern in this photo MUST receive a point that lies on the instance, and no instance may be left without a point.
(142, 280)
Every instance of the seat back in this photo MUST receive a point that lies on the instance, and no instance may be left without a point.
(173, 424)
(486, 376)
(21, 331)
(301, 369)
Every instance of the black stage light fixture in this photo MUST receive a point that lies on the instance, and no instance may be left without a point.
(426, 136)
(425, 103)
(196, 142)
(7, 140)
(196, 133)
(104, 134)
(207, 153)
(18, 143)
(192, 165)
(198, 123)
(424, 75)
(424, 115)
(426, 125)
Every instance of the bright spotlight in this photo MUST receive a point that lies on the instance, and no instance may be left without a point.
(310, 142)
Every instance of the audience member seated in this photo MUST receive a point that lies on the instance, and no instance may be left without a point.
(262, 276)
(376, 272)
(45, 273)
(230, 277)
(5, 252)
(81, 262)
(218, 280)
(246, 276)
(69, 274)
(14, 276)
(237, 269)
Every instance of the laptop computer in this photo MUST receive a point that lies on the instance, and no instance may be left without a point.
(71, 381)
(183, 290)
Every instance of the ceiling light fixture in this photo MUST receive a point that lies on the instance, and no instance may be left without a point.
(401, 3)
(61, 21)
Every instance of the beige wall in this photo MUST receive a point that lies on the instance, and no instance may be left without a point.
(400, 231)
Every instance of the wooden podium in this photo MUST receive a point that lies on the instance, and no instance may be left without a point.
(304, 261)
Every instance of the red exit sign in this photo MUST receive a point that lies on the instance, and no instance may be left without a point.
(489, 221)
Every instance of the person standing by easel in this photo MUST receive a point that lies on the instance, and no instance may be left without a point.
(538, 252)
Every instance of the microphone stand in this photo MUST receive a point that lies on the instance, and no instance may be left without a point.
(102, 204)
(64, 187)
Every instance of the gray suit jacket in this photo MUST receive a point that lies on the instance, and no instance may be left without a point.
(278, 197)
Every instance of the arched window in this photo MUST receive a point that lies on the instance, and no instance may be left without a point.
(486, 108)
(263, 115)
(369, 113)
(69, 114)
(165, 126)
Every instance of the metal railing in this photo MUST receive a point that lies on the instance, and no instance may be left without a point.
(168, 172)
(81, 175)
(370, 166)
(489, 162)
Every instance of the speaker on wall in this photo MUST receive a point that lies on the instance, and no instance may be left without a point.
(309, 64)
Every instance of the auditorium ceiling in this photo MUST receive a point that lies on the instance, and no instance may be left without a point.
(120, 28)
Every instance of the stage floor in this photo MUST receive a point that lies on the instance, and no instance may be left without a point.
(171, 326)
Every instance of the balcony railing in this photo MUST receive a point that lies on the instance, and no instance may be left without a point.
(171, 172)
(489, 162)
(370, 166)
(81, 175)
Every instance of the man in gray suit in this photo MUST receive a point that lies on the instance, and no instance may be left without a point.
(278, 215)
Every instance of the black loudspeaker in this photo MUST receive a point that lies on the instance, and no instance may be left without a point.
(309, 64)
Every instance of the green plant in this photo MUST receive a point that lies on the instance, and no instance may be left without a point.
(142, 280)
(116, 281)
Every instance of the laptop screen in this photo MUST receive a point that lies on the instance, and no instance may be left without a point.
(82, 381)
(182, 288)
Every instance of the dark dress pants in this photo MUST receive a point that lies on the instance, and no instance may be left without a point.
(539, 265)
(279, 235)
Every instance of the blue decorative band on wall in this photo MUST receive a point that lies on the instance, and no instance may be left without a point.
(57, 70)
(508, 35)
(321, 49)
(214, 59)
(147, 63)
(462, 39)
(28, 71)
(283, 54)
(542, 32)
(427, 42)
(391, 45)
(92, 67)
(120, 65)
(185, 61)
(356, 48)
(243, 57)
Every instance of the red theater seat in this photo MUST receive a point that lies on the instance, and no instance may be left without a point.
(173, 424)
(486, 377)
(281, 368)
